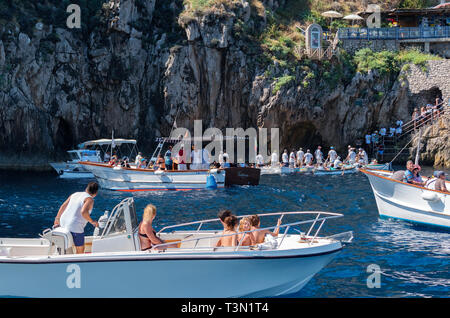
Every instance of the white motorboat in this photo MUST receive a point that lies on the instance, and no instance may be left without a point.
(189, 266)
(413, 203)
(72, 167)
(133, 179)
(91, 151)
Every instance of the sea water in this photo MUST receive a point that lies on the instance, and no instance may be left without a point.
(413, 261)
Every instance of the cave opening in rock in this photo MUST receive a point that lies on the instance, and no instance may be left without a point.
(303, 134)
(425, 97)
(64, 139)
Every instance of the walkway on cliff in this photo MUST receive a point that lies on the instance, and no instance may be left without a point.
(395, 146)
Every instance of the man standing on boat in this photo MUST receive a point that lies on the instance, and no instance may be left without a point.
(74, 214)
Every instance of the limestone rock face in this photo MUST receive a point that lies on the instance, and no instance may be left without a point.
(135, 74)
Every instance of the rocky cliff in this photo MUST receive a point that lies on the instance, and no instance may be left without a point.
(146, 62)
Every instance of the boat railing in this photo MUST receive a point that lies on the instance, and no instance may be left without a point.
(320, 218)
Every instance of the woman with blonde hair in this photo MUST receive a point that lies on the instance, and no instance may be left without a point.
(246, 239)
(147, 235)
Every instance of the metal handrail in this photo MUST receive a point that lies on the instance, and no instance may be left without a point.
(394, 33)
(329, 215)
(409, 127)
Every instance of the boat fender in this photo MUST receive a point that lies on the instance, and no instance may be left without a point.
(211, 182)
(213, 171)
(159, 172)
(101, 224)
(117, 168)
(430, 196)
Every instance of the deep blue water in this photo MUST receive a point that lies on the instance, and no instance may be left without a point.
(414, 260)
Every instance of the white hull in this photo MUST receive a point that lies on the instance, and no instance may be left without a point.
(407, 202)
(71, 170)
(141, 180)
(157, 275)
(69, 174)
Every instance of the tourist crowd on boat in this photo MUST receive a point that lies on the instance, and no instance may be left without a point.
(412, 175)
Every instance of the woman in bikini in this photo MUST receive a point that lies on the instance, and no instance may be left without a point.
(147, 235)
(246, 239)
(229, 224)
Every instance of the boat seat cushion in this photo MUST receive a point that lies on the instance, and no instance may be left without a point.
(398, 175)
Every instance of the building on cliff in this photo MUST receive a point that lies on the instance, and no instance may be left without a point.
(424, 29)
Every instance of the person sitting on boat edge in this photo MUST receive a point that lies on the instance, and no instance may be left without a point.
(440, 182)
(143, 164)
(147, 235)
(160, 163)
(260, 235)
(229, 222)
(412, 174)
(246, 239)
(74, 214)
(417, 177)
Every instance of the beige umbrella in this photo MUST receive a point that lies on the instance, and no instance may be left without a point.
(332, 14)
(353, 17)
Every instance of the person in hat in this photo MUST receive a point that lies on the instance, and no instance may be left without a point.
(440, 182)
(412, 175)
(142, 164)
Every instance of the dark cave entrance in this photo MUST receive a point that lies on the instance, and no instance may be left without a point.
(64, 136)
(424, 97)
(303, 134)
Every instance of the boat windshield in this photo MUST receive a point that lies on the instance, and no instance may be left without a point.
(73, 156)
(118, 225)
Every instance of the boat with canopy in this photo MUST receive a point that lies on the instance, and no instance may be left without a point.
(90, 151)
(187, 264)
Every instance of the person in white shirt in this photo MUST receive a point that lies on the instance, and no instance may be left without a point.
(332, 155)
(337, 163)
(308, 158)
(196, 158)
(351, 158)
(259, 160)
(398, 130)
(221, 157)
(300, 155)
(205, 159)
(292, 159)
(75, 213)
(399, 123)
(383, 131)
(318, 155)
(363, 157)
(274, 159)
(285, 158)
(138, 159)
